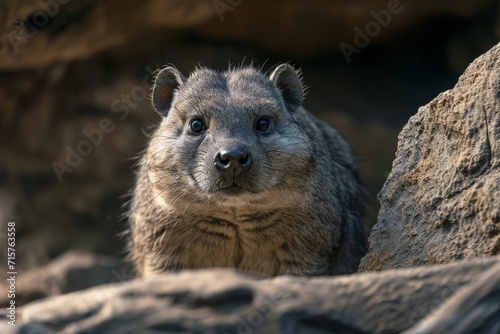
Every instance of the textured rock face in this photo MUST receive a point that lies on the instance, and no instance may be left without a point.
(222, 301)
(441, 201)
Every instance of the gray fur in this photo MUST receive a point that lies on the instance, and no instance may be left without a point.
(298, 210)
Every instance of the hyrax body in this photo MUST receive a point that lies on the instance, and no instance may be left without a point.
(239, 175)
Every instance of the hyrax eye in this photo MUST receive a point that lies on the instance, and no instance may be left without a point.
(197, 127)
(263, 125)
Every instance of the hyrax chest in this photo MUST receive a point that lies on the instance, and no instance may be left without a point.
(254, 243)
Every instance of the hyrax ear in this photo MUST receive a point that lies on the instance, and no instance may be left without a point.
(167, 82)
(288, 82)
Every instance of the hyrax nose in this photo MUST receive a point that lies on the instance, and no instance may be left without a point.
(233, 161)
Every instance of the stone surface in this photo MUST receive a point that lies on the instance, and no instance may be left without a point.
(222, 301)
(474, 309)
(72, 271)
(441, 201)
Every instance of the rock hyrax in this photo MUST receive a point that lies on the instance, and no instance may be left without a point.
(239, 175)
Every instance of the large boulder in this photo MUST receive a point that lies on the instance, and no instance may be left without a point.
(441, 201)
(222, 301)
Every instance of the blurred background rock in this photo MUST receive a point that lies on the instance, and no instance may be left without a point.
(65, 65)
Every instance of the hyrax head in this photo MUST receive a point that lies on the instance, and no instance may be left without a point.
(229, 138)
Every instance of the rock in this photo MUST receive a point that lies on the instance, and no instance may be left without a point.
(38, 34)
(222, 301)
(441, 201)
(475, 309)
(72, 271)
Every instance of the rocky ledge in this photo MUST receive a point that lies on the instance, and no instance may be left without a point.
(222, 301)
